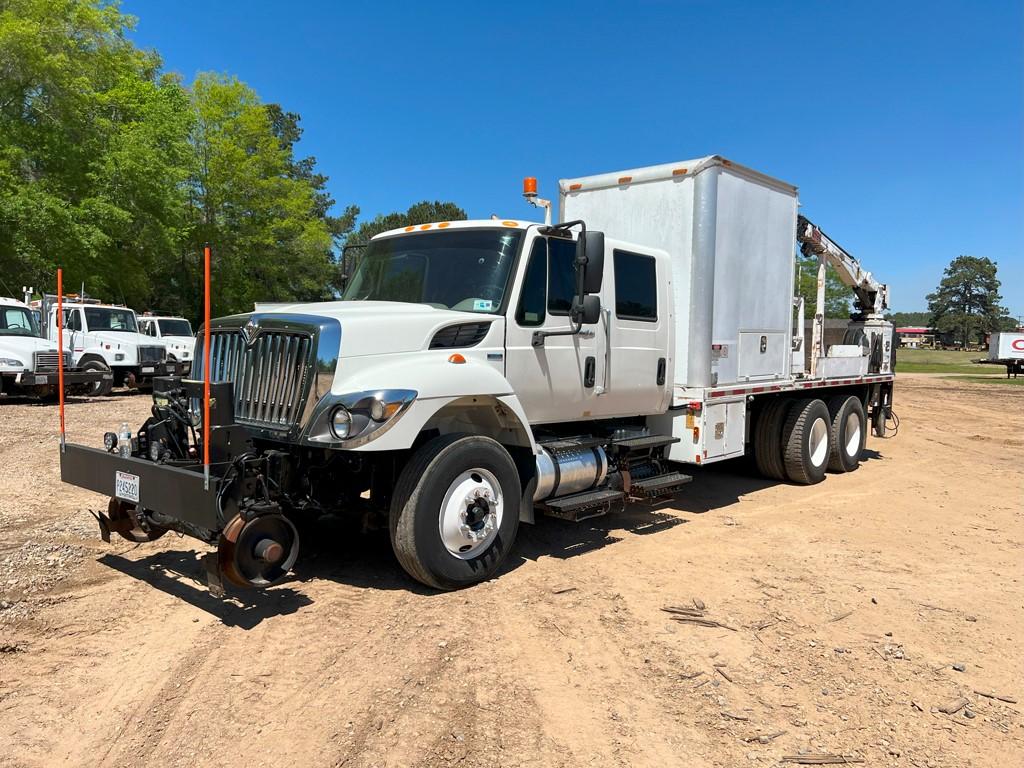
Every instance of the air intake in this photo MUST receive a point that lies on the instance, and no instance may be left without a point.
(461, 335)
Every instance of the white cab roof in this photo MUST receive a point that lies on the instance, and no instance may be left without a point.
(469, 224)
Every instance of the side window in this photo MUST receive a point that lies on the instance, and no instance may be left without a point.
(636, 288)
(531, 299)
(72, 320)
(561, 275)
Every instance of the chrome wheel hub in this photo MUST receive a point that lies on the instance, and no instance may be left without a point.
(471, 513)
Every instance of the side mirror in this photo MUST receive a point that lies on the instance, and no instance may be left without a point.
(592, 247)
(588, 311)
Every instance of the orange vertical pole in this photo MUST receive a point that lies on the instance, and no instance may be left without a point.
(206, 370)
(60, 350)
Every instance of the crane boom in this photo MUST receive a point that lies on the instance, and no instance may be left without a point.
(872, 296)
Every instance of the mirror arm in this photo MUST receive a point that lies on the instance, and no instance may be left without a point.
(539, 336)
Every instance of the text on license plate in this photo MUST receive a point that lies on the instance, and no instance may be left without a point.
(148, 369)
(42, 379)
(126, 486)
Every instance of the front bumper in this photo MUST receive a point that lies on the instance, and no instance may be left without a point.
(171, 491)
(29, 379)
(169, 368)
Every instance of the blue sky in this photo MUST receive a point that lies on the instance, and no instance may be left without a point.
(901, 122)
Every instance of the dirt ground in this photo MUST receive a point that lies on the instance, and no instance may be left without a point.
(855, 610)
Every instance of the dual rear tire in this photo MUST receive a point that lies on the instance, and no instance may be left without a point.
(800, 440)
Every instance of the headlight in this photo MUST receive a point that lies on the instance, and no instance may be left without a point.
(377, 410)
(341, 422)
(11, 362)
(119, 355)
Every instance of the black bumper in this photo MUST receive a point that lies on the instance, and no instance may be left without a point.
(51, 379)
(171, 491)
(151, 370)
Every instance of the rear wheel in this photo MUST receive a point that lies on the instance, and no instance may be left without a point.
(806, 441)
(455, 511)
(849, 433)
(768, 439)
(102, 387)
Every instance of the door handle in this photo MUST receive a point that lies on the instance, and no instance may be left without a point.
(589, 372)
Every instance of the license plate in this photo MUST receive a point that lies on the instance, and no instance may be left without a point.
(148, 369)
(126, 486)
(42, 379)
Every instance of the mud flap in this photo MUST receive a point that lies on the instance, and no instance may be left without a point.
(104, 522)
(211, 563)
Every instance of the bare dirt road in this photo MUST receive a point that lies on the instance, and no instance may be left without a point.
(856, 610)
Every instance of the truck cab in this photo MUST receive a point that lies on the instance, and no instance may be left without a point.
(106, 338)
(176, 334)
(28, 362)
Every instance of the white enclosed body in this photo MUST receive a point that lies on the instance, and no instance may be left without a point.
(1006, 346)
(730, 232)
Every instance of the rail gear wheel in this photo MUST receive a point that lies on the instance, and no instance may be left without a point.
(124, 519)
(768, 439)
(455, 511)
(103, 387)
(258, 552)
(805, 441)
(849, 433)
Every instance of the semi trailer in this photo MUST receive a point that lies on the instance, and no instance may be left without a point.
(1006, 348)
(477, 374)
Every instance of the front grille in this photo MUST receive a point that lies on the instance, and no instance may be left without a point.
(269, 377)
(46, 362)
(151, 354)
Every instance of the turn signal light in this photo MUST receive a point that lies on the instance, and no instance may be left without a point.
(456, 358)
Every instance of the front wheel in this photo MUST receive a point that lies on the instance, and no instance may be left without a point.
(102, 387)
(455, 511)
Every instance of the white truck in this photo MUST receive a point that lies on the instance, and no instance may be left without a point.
(29, 363)
(176, 334)
(1007, 348)
(106, 338)
(477, 373)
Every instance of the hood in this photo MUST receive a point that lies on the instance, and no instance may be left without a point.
(24, 346)
(176, 342)
(384, 327)
(119, 339)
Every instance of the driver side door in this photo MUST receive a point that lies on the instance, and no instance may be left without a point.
(561, 379)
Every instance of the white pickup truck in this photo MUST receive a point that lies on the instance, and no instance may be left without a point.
(28, 363)
(106, 338)
(477, 373)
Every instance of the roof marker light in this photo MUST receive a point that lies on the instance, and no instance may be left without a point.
(444, 224)
(625, 179)
(679, 171)
(510, 223)
(576, 186)
(426, 226)
(410, 228)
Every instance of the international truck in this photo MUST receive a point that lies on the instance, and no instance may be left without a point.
(29, 364)
(476, 374)
(106, 338)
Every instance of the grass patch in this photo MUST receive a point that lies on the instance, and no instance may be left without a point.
(940, 361)
(1018, 382)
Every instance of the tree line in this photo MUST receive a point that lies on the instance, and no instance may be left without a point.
(119, 172)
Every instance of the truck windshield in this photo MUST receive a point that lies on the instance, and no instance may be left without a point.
(15, 321)
(105, 319)
(464, 269)
(175, 327)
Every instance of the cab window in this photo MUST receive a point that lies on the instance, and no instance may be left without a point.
(534, 292)
(636, 287)
(72, 320)
(561, 275)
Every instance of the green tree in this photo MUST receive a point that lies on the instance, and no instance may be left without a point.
(261, 210)
(966, 302)
(909, 319)
(837, 295)
(92, 149)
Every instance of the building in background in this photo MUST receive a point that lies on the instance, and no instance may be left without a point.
(916, 337)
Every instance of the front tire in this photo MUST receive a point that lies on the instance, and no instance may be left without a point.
(103, 387)
(455, 511)
(849, 433)
(806, 442)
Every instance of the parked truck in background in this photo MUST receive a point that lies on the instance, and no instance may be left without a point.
(1007, 348)
(28, 362)
(106, 338)
(176, 334)
(477, 373)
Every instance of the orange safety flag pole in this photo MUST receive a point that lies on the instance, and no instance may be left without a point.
(60, 350)
(206, 371)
